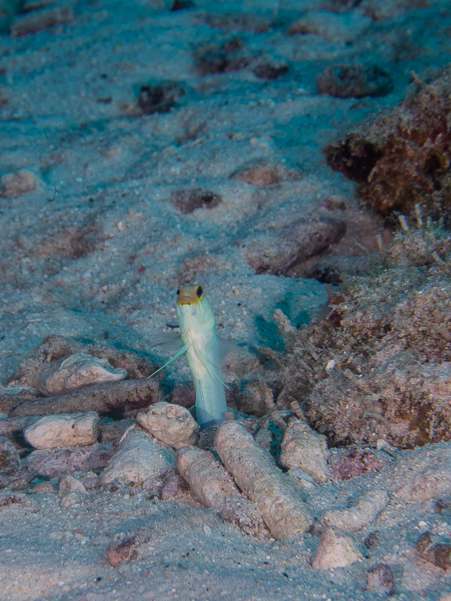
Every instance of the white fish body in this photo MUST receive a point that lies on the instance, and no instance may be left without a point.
(197, 326)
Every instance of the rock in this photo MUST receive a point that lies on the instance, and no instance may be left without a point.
(380, 579)
(76, 371)
(170, 424)
(365, 511)
(53, 462)
(74, 429)
(15, 184)
(44, 487)
(269, 69)
(439, 554)
(214, 487)
(70, 500)
(159, 98)
(188, 200)
(263, 174)
(38, 20)
(138, 457)
(356, 81)
(256, 399)
(278, 249)
(124, 396)
(282, 510)
(71, 484)
(305, 449)
(9, 456)
(335, 550)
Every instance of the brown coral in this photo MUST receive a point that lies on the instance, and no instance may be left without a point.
(404, 157)
(379, 367)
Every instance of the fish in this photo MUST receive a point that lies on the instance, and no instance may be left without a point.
(204, 351)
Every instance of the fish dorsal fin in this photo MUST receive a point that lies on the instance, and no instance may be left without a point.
(170, 342)
(180, 352)
(229, 352)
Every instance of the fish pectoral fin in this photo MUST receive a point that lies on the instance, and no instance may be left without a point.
(180, 352)
(209, 367)
(171, 342)
(229, 352)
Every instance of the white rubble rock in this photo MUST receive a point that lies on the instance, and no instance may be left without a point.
(305, 449)
(71, 484)
(363, 513)
(64, 430)
(171, 424)
(138, 458)
(335, 550)
(76, 371)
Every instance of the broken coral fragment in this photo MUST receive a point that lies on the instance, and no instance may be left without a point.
(170, 424)
(281, 508)
(358, 517)
(335, 550)
(76, 371)
(63, 430)
(305, 449)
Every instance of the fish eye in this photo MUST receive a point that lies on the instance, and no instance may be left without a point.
(199, 291)
(178, 291)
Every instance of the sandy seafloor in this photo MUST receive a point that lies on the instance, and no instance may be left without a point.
(102, 260)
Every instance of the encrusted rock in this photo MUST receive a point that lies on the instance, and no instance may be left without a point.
(335, 550)
(256, 399)
(38, 20)
(305, 449)
(171, 424)
(365, 511)
(283, 512)
(138, 457)
(75, 371)
(53, 462)
(71, 484)
(344, 81)
(63, 430)
(9, 457)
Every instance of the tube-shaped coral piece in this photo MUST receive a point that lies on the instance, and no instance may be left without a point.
(212, 485)
(284, 513)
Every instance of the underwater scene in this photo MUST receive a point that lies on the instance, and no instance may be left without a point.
(225, 300)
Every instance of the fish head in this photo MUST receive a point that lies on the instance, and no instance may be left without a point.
(193, 310)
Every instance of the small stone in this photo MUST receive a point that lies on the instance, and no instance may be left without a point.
(380, 579)
(54, 462)
(269, 69)
(159, 98)
(76, 371)
(439, 554)
(15, 184)
(171, 424)
(43, 487)
(256, 399)
(188, 200)
(70, 500)
(9, 456)
(65, 429)
(138, 458)
(335, 550)
(305, 449)
(71, 484)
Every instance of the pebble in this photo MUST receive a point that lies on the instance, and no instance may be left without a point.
(65, 429)
(335, 550)
(380, 579)
(76, 371)
(170, 424)
(305, 449)
(15, 184)
(71, 484)
(138, 458)
(256, 399)
(9, 456)
(70, 500)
